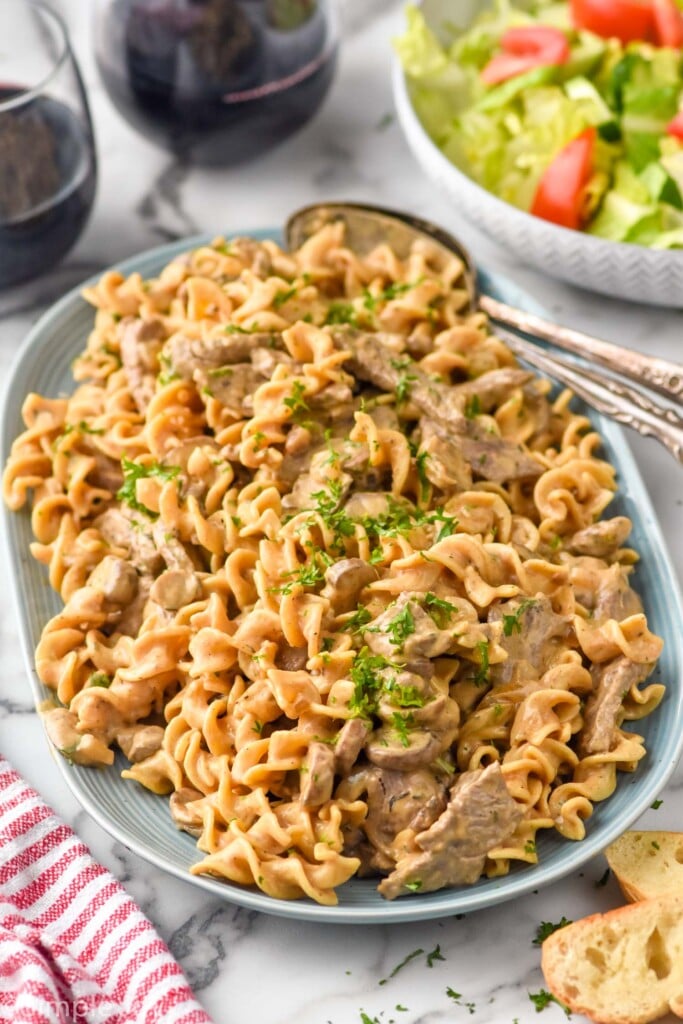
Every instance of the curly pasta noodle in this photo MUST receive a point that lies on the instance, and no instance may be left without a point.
(334, 570)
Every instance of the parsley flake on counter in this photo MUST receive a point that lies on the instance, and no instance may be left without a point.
(543, 999)
(656, 804)
(434, 955)
(404, 963)
(547, 928)
(458, 1000)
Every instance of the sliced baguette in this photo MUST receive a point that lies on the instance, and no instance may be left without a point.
(647, 864)
(623, 967)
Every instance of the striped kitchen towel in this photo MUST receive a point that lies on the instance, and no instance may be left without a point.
(74, 948)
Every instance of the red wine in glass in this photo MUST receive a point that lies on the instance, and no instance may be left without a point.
(47, 182)
(216, 81)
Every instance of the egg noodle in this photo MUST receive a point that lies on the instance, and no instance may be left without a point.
(334, 571)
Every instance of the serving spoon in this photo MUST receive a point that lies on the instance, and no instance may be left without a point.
(368, 226)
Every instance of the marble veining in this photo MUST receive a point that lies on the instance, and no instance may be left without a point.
(244, 965)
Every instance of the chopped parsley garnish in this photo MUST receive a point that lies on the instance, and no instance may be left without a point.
(400, 724)
(530, 846)
(404, 696)
(413, 887)
(481, 676)
(341, 313)
(295, 402)
(434, 955)
(405, 379)
(401, 626)
(421, 466)
(134, 471)
(473, 407)
(512, 623)
(547, 928)
(355, 623)
(656, 804)
(392, 291)
(367, 683)
(441, 611)
(168, 373)
(448, 523)
(283, 296)
(457, 998)
(81, 427)
(308, 575)
(327, 505)
(222, 371)
(257, 727)
(235, 329)
(543, 999)
(100, 679)
(654, 844)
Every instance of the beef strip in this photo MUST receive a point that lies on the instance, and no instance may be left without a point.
(445, 465)
(396, 801)
(141, 342)
(189, 354)
(611, 682)
(531, 641)
(601, 539)
(233, 386)
(480, 815)
(491, 388)
(375, 358)
(615, 597)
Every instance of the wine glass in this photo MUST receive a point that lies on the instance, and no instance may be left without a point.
(47, 155)
(216, 81)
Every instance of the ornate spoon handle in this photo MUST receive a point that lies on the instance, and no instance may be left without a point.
(619, 401)
(650, 371)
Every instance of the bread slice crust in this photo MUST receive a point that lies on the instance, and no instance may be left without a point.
(622, 967)
(647, 864)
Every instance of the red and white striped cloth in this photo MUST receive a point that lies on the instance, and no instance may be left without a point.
(74, 948)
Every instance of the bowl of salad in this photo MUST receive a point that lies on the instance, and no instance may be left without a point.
(556, 126)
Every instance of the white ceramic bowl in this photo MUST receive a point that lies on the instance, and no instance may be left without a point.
(617, 269)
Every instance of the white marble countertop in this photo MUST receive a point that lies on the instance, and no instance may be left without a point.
(245, 965)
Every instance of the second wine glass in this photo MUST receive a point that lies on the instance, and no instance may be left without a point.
(216, 81)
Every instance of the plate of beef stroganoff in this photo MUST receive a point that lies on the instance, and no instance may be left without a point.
(348, 621)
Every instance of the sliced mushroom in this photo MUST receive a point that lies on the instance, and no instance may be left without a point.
(184, 815)
(344, 581)
(350, 742)
(140, 741)
(116, 579)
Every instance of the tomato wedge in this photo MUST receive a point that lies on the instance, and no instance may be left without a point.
(626, 20)
(668, 23)
(525, 48)
(675, 127)
(560, 194)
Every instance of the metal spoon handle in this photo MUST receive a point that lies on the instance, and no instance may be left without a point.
(608, 396)
(658, 374)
